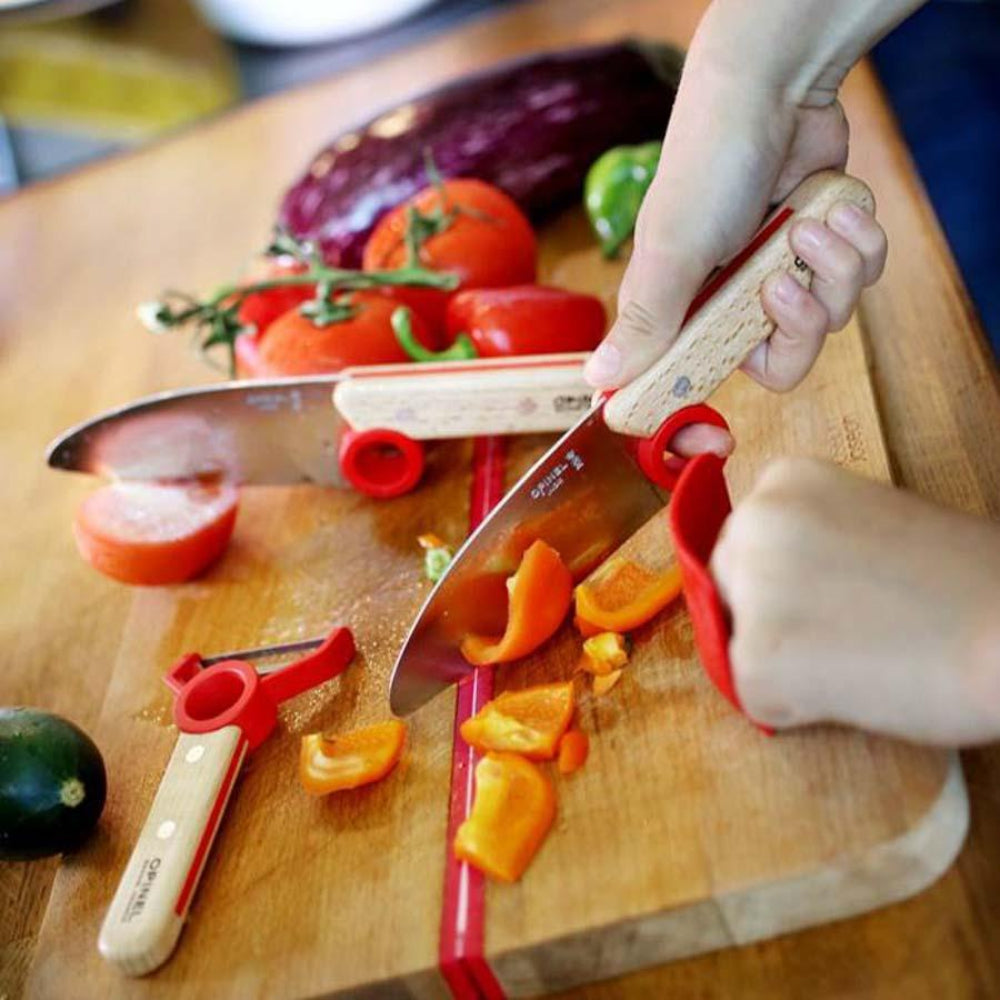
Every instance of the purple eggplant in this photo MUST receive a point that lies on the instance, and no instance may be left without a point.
(532, 127)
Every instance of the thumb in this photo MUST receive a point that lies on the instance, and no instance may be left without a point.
(655, 293)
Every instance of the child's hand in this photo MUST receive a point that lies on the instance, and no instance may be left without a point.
(856, 603)
(755, 114)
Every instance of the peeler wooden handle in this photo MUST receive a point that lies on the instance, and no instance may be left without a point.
(727, 320)
(492, 396)
(147, 913)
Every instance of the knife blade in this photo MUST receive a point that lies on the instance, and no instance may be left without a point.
(587, 494)
(289, 430)
(278, 431)
(583, 497)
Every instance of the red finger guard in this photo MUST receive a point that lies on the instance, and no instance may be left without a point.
(698, 509)
(655, 460)
(381, 463)
(699, 506)
(232, 693)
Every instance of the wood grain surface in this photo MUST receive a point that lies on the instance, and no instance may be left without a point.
(76, 254)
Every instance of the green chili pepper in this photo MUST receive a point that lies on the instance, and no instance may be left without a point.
(615, 186)
(402, 325)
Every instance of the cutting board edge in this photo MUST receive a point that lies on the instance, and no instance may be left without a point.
(889, 872)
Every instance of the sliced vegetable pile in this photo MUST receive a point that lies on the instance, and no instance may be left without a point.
(514, 801)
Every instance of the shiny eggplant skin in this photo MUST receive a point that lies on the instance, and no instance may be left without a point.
(532, 127)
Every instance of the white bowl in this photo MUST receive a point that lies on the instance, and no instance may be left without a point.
(303, 22)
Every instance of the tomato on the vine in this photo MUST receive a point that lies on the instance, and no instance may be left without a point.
(295, 345)
(464, 226)
(261, 309)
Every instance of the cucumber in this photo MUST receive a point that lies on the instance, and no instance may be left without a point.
(52, 784)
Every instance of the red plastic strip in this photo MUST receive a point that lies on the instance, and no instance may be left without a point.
(460, 954)
(211, 828)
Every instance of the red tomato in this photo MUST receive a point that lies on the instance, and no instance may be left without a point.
(261, 309)
(294, 345)
(489, 243)
(529, 319)
(153, 533)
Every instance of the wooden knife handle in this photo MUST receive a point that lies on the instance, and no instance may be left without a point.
(465, 399)
(731, 323)
(147, 913)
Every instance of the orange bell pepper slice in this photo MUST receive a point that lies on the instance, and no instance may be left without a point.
(604, 653)
(511, 814)
(529, 722)
(540, 593)
(636, 583)
(573, 750)
(329, 763)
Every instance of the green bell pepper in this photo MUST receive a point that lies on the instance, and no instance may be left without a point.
(613, 191)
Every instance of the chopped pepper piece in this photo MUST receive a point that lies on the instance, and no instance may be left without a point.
(529, 722)
(511, 814)
(636, 583)
(573, 750)
(604, 653)
(604, 683)
(329, 763)
(437, 556)
(540, 593)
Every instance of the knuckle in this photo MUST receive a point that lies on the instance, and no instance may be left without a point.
(640, 322)
(839, 315)
(847, 267)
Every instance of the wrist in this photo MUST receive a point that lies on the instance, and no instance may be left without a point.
(798, 49)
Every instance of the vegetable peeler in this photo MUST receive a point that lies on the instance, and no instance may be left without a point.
(224, 709)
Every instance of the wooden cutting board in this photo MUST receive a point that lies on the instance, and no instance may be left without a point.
(686, 831)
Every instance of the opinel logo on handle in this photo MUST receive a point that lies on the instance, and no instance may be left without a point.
(223, 710)
(727, 320)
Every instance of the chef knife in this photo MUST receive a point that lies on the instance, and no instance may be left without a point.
(588, 493)
(289, 430)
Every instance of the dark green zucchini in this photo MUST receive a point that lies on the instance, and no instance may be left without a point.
(52, 784)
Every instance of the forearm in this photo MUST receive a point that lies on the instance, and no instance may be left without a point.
(800, 50)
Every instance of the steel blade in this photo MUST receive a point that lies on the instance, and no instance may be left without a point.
(584, 497)
(266, 431)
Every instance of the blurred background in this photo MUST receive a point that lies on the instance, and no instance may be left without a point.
(84, 79)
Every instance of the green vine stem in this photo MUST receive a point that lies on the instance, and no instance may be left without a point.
(402, 325)
(216, 318)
